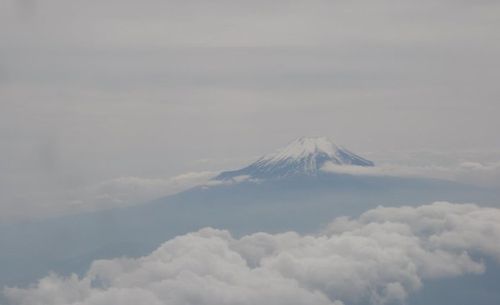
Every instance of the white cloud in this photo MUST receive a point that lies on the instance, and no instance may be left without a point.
(137, 190)
(44, 197)
(110, 193)
(380, 257)
(134, 190)
(467, 168)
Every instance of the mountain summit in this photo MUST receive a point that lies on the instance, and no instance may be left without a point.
(304, 156)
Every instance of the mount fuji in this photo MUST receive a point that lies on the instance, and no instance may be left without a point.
(285, 190)
(304, 156)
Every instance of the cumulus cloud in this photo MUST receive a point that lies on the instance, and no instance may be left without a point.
(378, 258)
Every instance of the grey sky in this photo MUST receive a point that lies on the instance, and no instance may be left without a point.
(95, 90)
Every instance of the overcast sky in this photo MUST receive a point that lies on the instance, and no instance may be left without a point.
(92, 91)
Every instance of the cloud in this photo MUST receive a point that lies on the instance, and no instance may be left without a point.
(68, 195)
(136, 190)
(378, 258)
(133, 190)
(486, 174)
(106, 194)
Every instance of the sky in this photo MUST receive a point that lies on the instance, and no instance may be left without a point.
(95, 94)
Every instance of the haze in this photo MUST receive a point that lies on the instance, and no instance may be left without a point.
(95, 91)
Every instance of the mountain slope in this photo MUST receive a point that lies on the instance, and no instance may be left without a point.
(298, 196)
(304, 156)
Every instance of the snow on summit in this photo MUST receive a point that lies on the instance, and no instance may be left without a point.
(303, 147)
(303, 156)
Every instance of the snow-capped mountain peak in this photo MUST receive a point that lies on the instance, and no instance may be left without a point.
(303, 156)
(303, 147)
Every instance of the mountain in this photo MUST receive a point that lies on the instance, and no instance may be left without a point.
(302, 157)
(298, 196)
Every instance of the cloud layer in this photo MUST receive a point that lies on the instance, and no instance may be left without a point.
(379, 258)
